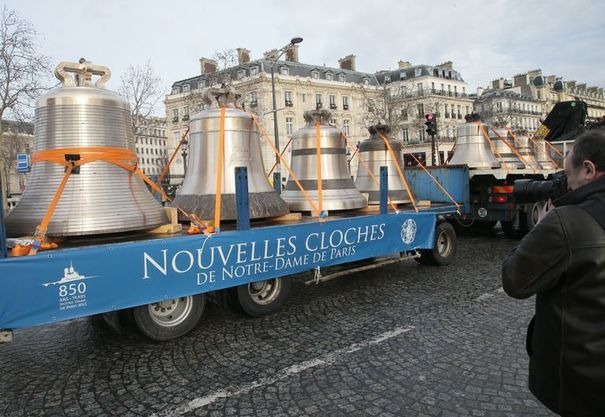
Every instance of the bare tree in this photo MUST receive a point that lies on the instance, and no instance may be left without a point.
(226, 58)
(142, 87)
(23, 72)
(389, 106)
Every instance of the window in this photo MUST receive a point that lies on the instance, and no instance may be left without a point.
(333, 122)
(176, 90)
(419, 88)
(175, 115)
(387, 78)
(342, 78)
(417, 72)
(253, 71)
(288, 98)
(402, 75)
(241, 74)
(345, 103)
(315, 74)
(447, 113)
(201, 84)
(370, 104)
(253, 99)
(366, 81)
(346, 127)
(185, 88)
(405, 135)
(332, 101)
(329, 76)
(318, 103)
(186, 113)
(420, 109)
(303, 96)
(285, 70)
(499, 106)
(289, 125)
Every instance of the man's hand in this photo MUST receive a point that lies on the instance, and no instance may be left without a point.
(548, 206)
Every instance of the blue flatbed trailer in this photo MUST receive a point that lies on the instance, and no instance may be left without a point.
(141, 275)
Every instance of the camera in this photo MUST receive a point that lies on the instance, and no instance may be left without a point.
(532, 191)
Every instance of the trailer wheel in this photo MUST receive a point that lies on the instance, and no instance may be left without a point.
(171, 318)
(444, 248)
(263, 298)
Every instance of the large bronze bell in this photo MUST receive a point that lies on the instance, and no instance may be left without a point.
(526, 150)
(543, 155)
(472, 148)
(502, 149)
(99, 197)
(373, 153)
(338, 189)
(241, 148)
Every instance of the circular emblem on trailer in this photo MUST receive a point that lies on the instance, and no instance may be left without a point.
(408, 231)
(482, 212)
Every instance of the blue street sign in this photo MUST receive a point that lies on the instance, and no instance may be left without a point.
(22, 163)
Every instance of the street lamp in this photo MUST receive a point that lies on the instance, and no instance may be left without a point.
(274, 58)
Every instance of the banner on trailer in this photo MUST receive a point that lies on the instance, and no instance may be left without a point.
(63, 284)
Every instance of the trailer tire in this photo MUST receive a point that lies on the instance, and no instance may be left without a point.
(263, 298)
(169, 319)
(444, 248)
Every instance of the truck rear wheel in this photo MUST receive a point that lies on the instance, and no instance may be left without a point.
(262, 298)
(169, 319)
(444, 248)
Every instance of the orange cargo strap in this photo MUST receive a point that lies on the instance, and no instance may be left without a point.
(435, 180)
(265, 135)
(280, 156)
(511, 147)
(121, 157)
(320, 191)
(399, 171)
(167, 166)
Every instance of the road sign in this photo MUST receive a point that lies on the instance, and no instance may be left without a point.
(22, 162)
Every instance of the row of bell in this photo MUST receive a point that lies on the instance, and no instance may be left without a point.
(481, 146)
(101, 197)
(241, 147)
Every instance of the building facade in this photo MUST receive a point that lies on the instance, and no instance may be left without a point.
(299, 87)
(551, 89)
(508, 107)
(151, 147)
(18, 139)
(415, 90)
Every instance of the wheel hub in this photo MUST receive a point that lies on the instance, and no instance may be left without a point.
(171, 312)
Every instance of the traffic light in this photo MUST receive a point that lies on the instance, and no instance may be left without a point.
(431, 124)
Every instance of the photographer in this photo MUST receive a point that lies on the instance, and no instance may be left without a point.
(562, 261)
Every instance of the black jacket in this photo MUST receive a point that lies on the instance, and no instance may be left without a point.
(562, 261)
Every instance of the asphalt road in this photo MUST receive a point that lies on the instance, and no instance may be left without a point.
(402, 340)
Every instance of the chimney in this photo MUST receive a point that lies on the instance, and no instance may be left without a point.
(347, 63)
(404, 64)
(498, 84)
(243, 56)
(292, 54)
(480, 91)
(449, 65)
(208, 66)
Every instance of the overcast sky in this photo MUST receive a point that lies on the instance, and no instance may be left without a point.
(484, 39)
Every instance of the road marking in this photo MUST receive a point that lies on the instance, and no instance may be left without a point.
(323, 360)
(487, 295)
